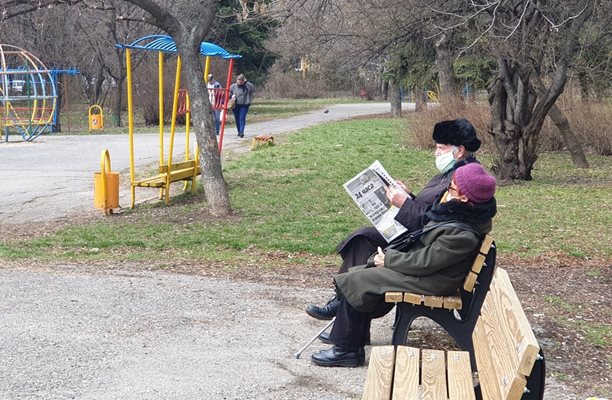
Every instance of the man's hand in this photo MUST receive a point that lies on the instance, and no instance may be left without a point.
(379, 259)
(403, 186)
(396, 197)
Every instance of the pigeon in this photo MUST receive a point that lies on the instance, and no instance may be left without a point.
(326, 111)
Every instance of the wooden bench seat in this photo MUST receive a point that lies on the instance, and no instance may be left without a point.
(158, 181)
(412, 373)
(181, 171)
(457, 314)
(509, 362)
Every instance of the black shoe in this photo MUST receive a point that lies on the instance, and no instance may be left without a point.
(327, 312)
(337, 356)
(324, 337)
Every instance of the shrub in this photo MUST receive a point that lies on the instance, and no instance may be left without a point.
(421, 124)
(590, 122)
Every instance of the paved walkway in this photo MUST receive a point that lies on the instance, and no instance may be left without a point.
(52, 177)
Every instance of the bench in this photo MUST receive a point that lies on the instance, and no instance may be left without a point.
(262, 140)
(181, 171)
(457, 314)
(509, 362)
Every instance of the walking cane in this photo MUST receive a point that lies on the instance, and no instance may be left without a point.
(299, 353)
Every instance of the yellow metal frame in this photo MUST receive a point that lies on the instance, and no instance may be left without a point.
(168, 171)
(90, 118)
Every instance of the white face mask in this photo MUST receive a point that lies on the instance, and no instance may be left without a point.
(446, 161)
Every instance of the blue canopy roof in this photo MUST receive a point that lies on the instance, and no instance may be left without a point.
(166, 44)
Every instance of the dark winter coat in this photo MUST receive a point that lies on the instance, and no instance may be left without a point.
(436, 264)
(411, 213)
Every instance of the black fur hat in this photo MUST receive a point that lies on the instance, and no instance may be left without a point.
(456, 132)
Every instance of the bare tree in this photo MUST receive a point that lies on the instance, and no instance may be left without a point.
(188, 22)
(526, 37)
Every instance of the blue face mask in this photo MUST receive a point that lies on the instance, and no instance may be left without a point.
(446, 161)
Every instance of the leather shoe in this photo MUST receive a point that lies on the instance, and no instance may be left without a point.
(337, 356)
(327, 312)
(324, 337)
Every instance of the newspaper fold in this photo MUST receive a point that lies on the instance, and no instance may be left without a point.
(367, 189)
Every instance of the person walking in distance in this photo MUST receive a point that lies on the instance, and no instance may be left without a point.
(214, 96)
(242, 93)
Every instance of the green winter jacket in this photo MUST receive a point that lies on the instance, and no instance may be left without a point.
(437, 264)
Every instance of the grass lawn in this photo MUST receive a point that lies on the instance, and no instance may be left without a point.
(290, 198)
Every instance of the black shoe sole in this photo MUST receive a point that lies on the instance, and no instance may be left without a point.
(350, 363)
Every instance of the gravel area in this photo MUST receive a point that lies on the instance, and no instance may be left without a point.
(153, 335)
(71, 332)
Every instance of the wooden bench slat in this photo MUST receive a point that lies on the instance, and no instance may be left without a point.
(413, 298)
(434, 301)
(486, 245)
(453, 302)
(394, 297)
(478, 263)
(470, 281)
(177, 166)
(407, 368)
(499, 345)
(522, 337)
(487, 378)
(380, 373)
(433, 374)
(460, 385)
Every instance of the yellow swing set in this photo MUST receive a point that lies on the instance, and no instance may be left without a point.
(169, 171)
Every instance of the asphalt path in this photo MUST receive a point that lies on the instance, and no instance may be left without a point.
(52, 177)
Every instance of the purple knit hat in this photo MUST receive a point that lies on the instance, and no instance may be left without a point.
(475, 183)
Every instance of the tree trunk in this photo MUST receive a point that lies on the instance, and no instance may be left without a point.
(568, 137)
(419, 99)
(504, 133)
(395, 98)
(215, 187)
(118, 101)
(98, 87)
(58, 106)
(444, 66)
(121, 76)
(583, 81)
(385, 89)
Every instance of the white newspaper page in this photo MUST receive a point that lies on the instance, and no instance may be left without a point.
(367, 190)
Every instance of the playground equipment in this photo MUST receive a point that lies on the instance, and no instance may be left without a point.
(106, 185)
(27, 93)
(188, 169)
(96, 119)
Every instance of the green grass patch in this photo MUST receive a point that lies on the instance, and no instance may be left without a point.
(289, 198)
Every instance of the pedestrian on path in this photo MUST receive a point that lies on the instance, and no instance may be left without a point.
(242, 93)
(215, 96)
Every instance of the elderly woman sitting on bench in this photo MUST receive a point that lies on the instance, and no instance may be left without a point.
(436, 264)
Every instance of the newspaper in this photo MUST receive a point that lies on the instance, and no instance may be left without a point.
(367, 189)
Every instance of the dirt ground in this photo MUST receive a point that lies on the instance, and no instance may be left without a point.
(565, 299)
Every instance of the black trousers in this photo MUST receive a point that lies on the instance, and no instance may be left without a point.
(351, 328)
(357, 251)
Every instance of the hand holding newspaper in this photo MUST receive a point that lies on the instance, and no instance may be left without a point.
(368, 190)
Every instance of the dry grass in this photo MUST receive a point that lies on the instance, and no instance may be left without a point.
(590, 122)
(421, 123)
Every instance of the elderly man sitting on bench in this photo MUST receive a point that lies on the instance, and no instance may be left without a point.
(436, 264)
